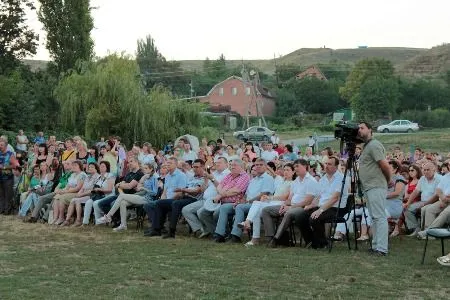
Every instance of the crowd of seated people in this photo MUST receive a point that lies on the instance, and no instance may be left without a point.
(221, 191)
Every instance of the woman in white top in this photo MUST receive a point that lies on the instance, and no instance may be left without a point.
(65, 195)
(281, 194)
(103, 187)
(83, 195)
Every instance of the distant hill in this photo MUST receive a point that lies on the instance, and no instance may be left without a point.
(408, 61)
(309, 56)
(431, 63)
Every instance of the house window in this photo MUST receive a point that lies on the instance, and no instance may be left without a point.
(221, 91)
(234, 91)
(247, 91)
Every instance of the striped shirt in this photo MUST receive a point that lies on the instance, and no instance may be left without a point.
(240, 182)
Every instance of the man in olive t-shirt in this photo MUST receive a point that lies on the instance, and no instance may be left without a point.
(374, 173)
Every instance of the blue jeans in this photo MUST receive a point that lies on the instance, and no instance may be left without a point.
(226, 210)
(32, 198)
(241, 211)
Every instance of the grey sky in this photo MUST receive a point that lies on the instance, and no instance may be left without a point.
(258, 29)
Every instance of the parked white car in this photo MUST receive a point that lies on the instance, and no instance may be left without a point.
(399, 126)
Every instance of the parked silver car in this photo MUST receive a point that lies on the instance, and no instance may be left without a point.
(399, 126)
(254, 133)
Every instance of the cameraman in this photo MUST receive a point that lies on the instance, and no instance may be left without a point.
(375, 174)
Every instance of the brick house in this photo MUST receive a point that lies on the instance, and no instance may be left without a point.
(240, 96)
(312, 71)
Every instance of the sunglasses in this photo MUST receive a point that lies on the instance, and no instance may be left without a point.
(411, 170)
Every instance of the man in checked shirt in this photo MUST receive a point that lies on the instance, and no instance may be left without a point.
(230, 192)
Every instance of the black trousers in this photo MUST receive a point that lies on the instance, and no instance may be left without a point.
(313, 230)
(6, 196)
(164, 206)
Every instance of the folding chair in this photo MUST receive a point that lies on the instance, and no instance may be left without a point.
(439, 233)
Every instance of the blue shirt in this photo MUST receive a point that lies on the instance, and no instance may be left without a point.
(176, 180)
(260, 184)
(39, 140)
(151, 184)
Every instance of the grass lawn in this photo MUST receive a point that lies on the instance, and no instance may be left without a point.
(39, 261)
(428, 140)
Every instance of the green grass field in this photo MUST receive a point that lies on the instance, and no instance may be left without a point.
(39, 261)
(430, 140)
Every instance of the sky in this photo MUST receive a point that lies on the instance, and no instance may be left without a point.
(260, 29)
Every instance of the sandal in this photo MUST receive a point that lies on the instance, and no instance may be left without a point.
(363, 238)
(58, 222)
(444, 260)
(394, 233)
(77, 224)
(338, 237)
(65, 223)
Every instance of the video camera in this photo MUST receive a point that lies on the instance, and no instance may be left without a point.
(348, 133)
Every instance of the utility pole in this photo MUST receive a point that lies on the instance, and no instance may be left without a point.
(246, 80)
(276, 70)
(192, 88)
(257, 93)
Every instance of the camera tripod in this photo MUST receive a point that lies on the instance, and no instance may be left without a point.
(351, 171)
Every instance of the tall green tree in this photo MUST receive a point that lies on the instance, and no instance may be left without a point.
(108, 99)
(17, 40)
(365, 86)
(68, 24)
(156, 70)
(309, 95)
(378, 97)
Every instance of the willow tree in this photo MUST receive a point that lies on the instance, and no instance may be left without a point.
(108, 99)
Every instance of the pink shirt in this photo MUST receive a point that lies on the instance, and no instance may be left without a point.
(241, 182)
(251, 155)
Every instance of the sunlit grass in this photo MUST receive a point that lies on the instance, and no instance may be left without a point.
(38, 261)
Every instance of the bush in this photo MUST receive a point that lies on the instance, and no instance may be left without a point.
(209, 133)
(437, 118)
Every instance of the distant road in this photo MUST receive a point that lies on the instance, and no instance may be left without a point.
(304, 141)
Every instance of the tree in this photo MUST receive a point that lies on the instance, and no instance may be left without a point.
(421, 94)
(369, 81)
(377, 97)
(286, 72)
(68, 24)
(156, 70)
(108, 99)
(308, 95)
(362, 71)
(17, 40)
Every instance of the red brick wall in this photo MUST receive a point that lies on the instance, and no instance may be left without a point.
(239, 102)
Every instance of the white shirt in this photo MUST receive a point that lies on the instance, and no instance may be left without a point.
(301, 188)
(191, 155)
(211, 190)
(428, 188)
(269, 155)
(444, 184)
(274, 139)
(329, 186)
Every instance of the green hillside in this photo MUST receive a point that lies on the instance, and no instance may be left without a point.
(431, 63)
(308, 56)
(407, 60)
